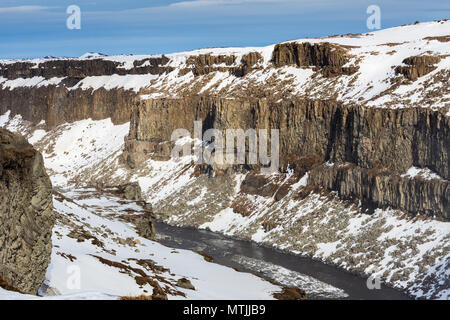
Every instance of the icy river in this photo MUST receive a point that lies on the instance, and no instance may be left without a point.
(320, 281)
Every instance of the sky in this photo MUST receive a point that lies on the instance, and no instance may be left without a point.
(31, 29)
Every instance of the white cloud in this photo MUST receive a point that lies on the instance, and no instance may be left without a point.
(20, 9)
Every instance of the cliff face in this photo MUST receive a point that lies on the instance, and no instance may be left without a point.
(57, 105)
(330, 58)
(79, 68)
(26, 214)
(62, 103)
(377, 145)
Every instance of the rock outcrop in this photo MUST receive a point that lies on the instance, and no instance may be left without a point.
(383, 189)
(330, 58)
(26, 214)
(314, 132)
(131, 191)
(81, 68)
(143, 222)
(417, 66)
(56, 104)
(207, 63)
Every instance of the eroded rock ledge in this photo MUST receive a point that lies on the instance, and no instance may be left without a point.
(26, 214)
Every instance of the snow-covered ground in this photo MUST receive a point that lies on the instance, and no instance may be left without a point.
(97, 254)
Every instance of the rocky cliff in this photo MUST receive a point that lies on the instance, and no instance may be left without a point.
(26, 214)
(369, 149)
(363, 120)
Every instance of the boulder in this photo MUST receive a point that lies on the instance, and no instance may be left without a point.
(131, 191)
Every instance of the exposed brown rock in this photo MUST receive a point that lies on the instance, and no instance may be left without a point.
(57, 105)
(330, 58)
(185, 283)
(290, 294)
(258, 184)
(81, 68)
(131, 191)
(417, 66)
(206, 63)
(385, 189)
(26, 214)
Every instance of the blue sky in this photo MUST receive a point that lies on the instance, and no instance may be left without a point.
(38, 28)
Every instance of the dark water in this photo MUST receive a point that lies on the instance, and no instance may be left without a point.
(224, 251)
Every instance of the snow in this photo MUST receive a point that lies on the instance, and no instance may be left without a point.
(223, 221)
(74, 153)
(92, 55)
(133, 82)
(289, 278)
(424, 173)
(72, 149)
(30, 82)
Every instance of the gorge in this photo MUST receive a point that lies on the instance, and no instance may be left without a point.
(364, 180)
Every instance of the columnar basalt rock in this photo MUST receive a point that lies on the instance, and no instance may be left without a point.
(79, 68)
(383, 189)
(330, 58)
(57, 105)
(207, 63)
(26, 214)
(313, 132)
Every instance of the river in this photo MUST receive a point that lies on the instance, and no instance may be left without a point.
(320, 281)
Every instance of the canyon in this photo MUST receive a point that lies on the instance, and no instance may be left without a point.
(364, 180)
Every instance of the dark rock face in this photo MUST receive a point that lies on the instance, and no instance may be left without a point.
(57, 105)
(417, 66)
(329, 57)
(145, 226)
(385, 189)
(206, 63)
(26, 214)
(78, 69)
(144, 223)
(290, 294)
(185, 284)
(313, 132)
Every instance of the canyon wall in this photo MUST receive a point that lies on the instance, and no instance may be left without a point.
(334, 123)
(57, 105)
(363, 153)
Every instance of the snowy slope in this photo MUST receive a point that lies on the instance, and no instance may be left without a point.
(92, 225)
